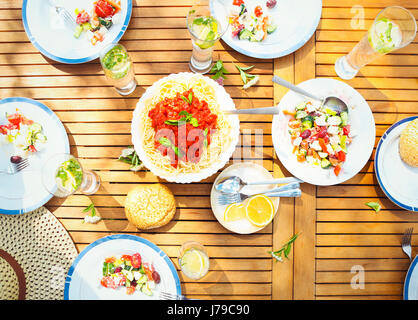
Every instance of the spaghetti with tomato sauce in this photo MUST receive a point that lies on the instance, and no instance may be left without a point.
(183, 126)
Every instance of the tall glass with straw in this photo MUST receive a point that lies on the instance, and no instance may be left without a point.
(394, 28)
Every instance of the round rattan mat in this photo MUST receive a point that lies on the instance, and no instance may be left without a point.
(40, 246)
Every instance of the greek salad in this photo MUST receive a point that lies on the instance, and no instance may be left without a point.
(252, 21)
(96, 23)
(131, 272)
(26, 135)
(320, 136)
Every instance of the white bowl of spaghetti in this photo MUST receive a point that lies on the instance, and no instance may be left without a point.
(179, 130)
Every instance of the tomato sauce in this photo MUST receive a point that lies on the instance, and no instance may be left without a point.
(187, 123)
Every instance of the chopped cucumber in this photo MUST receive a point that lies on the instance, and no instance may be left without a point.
(106, 22)
(300, 114)
(78, 31)
(245, 34)
(271, 28)
(343, 143)
(322, 154)
(301, 106)
(307, 124)
(325, 164)
(86, 26)
(344, 118)
(254, 39)
(145, 289)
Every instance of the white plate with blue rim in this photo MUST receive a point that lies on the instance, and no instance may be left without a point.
(360, 118)
(398, 180)
(296, 22)
(410, 290)
(83, 278)
(23, 192)
(54, 39)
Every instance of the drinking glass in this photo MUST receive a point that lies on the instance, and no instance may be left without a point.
(118, 68)
(394, 28)
(205, 31)
(193, 260)
(63, 175)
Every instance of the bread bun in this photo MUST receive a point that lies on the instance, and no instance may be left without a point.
(408, 143)
(150, 206)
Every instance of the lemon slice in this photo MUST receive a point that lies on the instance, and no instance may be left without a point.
(234, 212)
(260, 210)
(193, 262)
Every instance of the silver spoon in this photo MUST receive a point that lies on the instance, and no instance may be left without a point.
(234, 184)
(333, 103)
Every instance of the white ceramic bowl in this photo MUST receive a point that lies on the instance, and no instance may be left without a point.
(225, 103)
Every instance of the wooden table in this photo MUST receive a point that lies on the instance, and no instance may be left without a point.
(338, 230)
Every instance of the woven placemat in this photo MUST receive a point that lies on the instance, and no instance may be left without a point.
(42, 248)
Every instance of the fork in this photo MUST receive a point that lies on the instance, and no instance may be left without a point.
(406, 242)
(64, 14)
(226, 199)
(170, 296)
(16, 167)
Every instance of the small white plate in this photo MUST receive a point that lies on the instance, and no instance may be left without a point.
(83, 279)
(360, 118)
(398, 180)
(23, 191)
(296, 22)
(410, 290)
(48, 33)
(248, 172)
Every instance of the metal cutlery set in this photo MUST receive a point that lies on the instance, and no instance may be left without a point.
(230, 189)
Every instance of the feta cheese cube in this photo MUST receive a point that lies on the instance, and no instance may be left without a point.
(333, 130)
(334, 121)
(321, 121)
(297, 141)
(329, 149)
(315, 145)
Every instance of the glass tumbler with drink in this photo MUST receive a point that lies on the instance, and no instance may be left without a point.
(63, 175)
(118, 68)
(194, 260)
(394, 28)
(205, 31)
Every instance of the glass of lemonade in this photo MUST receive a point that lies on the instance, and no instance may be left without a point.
(63, 175)
(118, 68)
(393, 28)
(205, 31)
(193, 260)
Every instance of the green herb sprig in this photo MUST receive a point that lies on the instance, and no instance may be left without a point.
(245, 76)
(129, 156)
(187, 117)
(91, 209)
(219, 70)
(284, 250)
(167, 143)
(374, 205)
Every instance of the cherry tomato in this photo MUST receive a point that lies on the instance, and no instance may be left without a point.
(126, 257)
(337, 170)
(258, 11)
(82, 17)
(341, 156)
(238, 2)
(32, 148)
(109, 282)
(103, 9)
(346, 130)
(136, 260)
(130, 290)
(110, 260)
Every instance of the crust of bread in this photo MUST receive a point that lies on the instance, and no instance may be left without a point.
(408, 143)
(150, 206)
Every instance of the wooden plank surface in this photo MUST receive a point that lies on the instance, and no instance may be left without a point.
(337, 230)
(348, 234)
